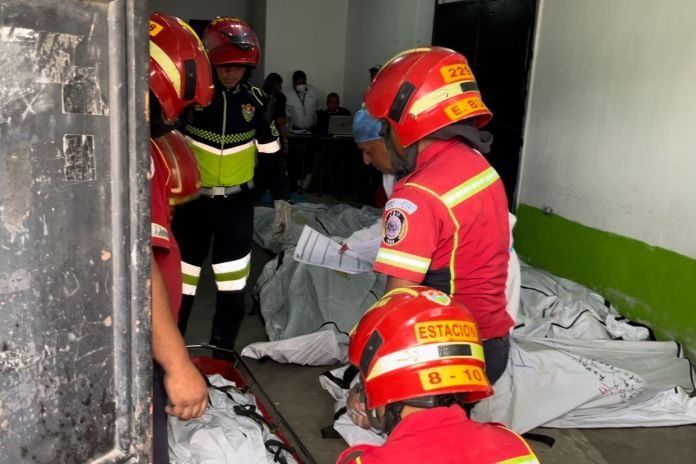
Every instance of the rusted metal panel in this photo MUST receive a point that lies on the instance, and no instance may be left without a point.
(74, 232)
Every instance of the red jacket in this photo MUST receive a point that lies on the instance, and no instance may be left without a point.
(446, 226)
(444, 436)
(164, 246)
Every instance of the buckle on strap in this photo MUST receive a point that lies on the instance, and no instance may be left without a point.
(223, 191)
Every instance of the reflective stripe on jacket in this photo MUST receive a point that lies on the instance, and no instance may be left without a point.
(226, 135)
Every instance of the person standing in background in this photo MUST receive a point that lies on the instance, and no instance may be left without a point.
(302, 106)
(273, 86)
(303, 102)
(373, 72)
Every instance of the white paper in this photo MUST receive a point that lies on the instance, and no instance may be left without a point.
(319, 250)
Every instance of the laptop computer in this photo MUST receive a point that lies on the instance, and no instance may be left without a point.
(341, 126)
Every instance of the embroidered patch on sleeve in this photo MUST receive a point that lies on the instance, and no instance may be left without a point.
(159, 231)
(395, 227)
(401, 203)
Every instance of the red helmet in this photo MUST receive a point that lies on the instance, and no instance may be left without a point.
(184, 179)
(425, 89)
(179, 69)
(231, 41)
(417, 342)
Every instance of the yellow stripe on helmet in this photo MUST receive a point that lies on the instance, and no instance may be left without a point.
(167, 65)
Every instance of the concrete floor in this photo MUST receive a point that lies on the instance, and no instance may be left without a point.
(296, 392)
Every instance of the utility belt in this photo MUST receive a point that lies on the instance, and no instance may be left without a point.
(226, 191)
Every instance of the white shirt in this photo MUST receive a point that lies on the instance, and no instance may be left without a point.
(302, 107)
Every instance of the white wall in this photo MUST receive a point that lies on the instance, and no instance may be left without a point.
(308, 35)
(377, 30)
(610, 137)
(201, 9)
(335, 42)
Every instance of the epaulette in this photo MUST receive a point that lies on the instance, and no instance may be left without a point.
(258, 94)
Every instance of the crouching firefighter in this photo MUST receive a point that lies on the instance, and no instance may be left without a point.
(420, 360)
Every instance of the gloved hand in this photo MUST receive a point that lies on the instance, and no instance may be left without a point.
(281, 222)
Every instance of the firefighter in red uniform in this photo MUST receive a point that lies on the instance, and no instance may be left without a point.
(233, 139)
(420, 358)
(180, 74)
(446, 223)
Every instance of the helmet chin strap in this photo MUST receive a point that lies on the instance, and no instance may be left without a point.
(392, 411)
(403, 165)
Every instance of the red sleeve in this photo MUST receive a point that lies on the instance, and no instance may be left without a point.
(410, 228)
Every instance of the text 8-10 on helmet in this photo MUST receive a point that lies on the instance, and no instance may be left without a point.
(180, 72)
(231, 41)
(416, 342)
(422, 90)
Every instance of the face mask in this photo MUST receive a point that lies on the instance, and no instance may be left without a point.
(301, 87)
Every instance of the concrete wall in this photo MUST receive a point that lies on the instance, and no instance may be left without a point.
(335, 42)
(377, 30)
(308, 35)
(609, 142)
(202, 9)
(609, 147)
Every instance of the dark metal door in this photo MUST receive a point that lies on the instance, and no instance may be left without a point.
(74, 232)
(496, 37)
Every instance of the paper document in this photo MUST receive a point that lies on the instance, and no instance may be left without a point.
(319, 250)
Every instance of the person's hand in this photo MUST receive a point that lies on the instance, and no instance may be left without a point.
(356, 408)
(281, 222)
(187, 392)
(344, 248)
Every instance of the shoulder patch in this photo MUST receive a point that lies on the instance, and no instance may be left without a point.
(159, 231)
(395, 227)
(401, 203)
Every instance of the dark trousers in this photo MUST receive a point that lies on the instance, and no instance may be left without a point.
(160, 444)
(229, 223)
(496, 350)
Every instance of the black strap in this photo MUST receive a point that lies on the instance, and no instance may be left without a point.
(345, 381)
(279, 447)
(249, 410)
(329, 433)
(540, 437)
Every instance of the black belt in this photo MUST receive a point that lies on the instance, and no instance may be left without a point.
(226, 191)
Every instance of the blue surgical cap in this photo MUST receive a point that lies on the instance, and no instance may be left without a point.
(365, 127)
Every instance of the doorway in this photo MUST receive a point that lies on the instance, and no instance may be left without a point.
(496, 36)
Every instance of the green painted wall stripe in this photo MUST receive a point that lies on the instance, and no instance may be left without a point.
(645, 283)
